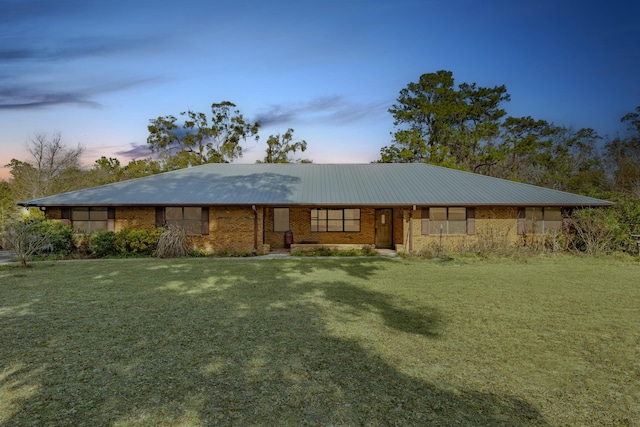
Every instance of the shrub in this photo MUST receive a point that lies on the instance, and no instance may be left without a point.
(103, 243)
(627, 211)
(603, 230)
(234, 254)
(27, 238)
(366, 250)
(82, 243)
(597, 231)
(173, 243)
(137, 242)
(197, 253)
(61, 239)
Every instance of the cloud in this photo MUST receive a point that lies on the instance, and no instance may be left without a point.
(17, 10)
(137, 151)
(70, 49)
(333, 109)
(23, 97)
(42, 67)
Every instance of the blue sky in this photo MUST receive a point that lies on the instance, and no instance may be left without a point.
(97, 71)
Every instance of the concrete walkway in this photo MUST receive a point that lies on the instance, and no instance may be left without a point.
(285, 253)
(7, 256)
(10, 256)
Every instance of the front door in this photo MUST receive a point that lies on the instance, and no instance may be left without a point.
(384, 228)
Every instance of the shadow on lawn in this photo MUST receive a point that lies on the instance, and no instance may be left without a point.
(250, 348)
(422, 321)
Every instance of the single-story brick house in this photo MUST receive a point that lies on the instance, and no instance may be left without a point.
(249, 208)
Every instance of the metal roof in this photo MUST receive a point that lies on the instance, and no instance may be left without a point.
(375, 184)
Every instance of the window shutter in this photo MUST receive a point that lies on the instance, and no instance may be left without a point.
(159, 217)
(65, 213)
(205, 221)
(471, 220)
(522, 221)
(424, 224)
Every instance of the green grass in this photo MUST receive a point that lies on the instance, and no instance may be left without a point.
(326, 251)
(348, 341)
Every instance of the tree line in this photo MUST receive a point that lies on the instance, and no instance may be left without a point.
(466, 126)
(437, 121)
(197, 139)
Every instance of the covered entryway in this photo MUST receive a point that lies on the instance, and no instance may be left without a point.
(384, 228)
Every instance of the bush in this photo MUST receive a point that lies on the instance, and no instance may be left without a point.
(607, 229)
(627, 210)
(27, 239)
(103, 243)
(227, 253)
(197, 253)
(173, 243)
(366, 250)
(136, 242)
(597, 231)
(61, 239)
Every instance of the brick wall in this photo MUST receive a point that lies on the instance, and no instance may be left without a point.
(135, 218)
(398, 226)
(300, 225)
(230, 229)
(498, 224)
(243, 230)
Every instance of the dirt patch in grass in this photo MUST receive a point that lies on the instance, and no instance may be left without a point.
(352, 341)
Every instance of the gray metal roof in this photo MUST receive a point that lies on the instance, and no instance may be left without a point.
(317, 184)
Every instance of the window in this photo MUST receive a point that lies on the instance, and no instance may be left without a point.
(445, 220)
(539, 220)
(89, 220)
(189, 218)
(335, 220)
(280, 219)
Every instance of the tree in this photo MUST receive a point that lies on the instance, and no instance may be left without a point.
(200, 140)
(140, 168)
(623, 156)
(105, 171)
(465, 127)
(573, 162)
(53, 168)
(441, 124)
(541, 153)
(280, 147)
(522, 141)
(9, 211)
(27, 238)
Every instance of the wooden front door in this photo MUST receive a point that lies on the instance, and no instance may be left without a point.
(384, 228)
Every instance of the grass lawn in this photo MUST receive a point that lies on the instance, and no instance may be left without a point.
(348, 341)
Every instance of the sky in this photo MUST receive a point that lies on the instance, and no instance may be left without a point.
(97, 71)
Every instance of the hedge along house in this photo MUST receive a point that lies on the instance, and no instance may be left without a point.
(249, 208)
